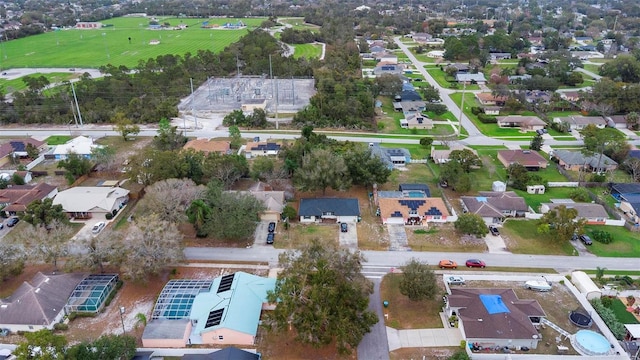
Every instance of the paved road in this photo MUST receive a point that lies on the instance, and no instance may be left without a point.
(386, 259)
(374, 345)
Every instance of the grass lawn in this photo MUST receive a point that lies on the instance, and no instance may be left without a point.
(297, 23)
(407, 314)
(308, 51)
(58, 139)
(302, 234)
(621, 312)
(625, 243)
(522, 237)
(18, 84)
(534, 200)
(109, 45)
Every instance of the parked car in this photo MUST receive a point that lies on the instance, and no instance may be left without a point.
(494, 230)
(447, 264)
(98, 227)
(344, 227)
(586, 239)
(455, 280)
(272, 227)
(12, 221)
(475, 263)
(538, 285)
(1, 226)
(270, 238)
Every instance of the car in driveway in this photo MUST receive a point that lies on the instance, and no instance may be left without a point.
(447, 264)
(455, 280)
(475, 263)
(12, 221)
(270, 238)
(344, 227)
(272, 227)
(586, 239)
(494, 230)
(98, 227)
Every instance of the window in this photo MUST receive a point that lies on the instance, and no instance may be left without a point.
(220, 337)
(328, 213)
(307, 217)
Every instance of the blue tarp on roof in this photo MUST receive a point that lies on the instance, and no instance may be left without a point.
(494, 304)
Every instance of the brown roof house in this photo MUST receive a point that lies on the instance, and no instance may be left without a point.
(495, 317)
(209, 146)
(17, 148)
(410, 205)
(528, 158)
(525, 123)
(490, 99)
(494, 206)
(594, 214)
(39, 303)
(15, 199)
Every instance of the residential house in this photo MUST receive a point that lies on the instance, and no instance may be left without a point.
(330, 210)
(537, 97)
(14, 200)
(576, 161)
(229, 353)
(518, 79)
(273, 202)
(412, 107)
(530, 159)
(410, 205)
(466, 78)
(630, 206)
(441, 156)
(80, 145)
(208, 146)
(85, 202)
(17, 148)
(38, 304)
(495, 318)
(499, 56)
(525, 123)
(410, 95)
(617, 121)
(416, 121)
(594, 214)
(494, 206)
(393, 69)
(619, 189)
(392, 157)
(492, 110)
(376, 49)
(488, 99)
(571, 96)
(88, 25)
(222, 311)
(422, 37)
(254, 149)
(460, 68)
(579, 122)
(249, 105)
(387, 58)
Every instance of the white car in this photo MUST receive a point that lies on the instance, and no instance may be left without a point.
(538, 285)
(98, 227)
(455, 280)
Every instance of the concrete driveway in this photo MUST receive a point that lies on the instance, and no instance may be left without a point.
(423, 338)
(397, 238)
(496, 244)
(581, 248)
(348, 239)
(260, 235)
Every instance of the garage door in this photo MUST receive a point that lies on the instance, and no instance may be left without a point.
(394, 220)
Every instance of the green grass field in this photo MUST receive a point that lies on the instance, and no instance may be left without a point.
(110, 45)
(58, 139)
(10, 86)
(308, 51)
(625, 243)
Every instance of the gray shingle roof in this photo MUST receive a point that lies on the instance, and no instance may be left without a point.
(577, 158)
(339, 206)
(585, 210)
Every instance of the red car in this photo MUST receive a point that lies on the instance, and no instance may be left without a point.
(475, 263)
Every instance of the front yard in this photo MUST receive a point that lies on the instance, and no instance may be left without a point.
(522, 237)
(625, 243)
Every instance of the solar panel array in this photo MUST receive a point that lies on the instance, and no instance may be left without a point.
(412, 204)
(433, 211)
(396, 214)
(214, 318)
(225, 283)
(176, 299)
(18, 146)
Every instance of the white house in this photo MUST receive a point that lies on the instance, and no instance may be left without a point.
(83, 202)
(80, 145)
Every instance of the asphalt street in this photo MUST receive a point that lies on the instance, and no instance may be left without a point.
(374, 345)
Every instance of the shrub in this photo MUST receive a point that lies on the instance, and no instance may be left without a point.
(61, 326)
(580, 194)
(597, 178)
(476, 110)
(420, 231)
(606, 301)
(487, 119)
(602, 236)
(437, 109)
(609, 318)
(108, 216)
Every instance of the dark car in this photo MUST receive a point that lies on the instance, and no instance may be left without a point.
(344, 227)
(475, 263)
(12, 221)
(586, 239)
(1, 226)
(494, 230)
(272, 227)
(270, 238)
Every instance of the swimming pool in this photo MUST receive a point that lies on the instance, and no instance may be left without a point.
(589, 342)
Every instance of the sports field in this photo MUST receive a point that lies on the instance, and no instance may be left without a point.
(111, 45)
(307, 50)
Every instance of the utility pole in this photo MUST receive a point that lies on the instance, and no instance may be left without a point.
(195, 117)
(77, 106)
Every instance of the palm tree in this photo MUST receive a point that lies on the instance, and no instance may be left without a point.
(600, 273)
(198, 213)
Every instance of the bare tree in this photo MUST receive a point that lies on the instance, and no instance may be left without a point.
(170, 198)
(149, 245)
(46, 244)
(95, 251)
(488, 164)
(633, 164)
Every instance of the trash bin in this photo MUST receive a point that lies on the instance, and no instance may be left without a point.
(385, 303)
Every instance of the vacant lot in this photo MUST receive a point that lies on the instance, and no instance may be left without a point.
(522, 237)
(443, 237)
(407, 314)
(625, 243)
(110, 45)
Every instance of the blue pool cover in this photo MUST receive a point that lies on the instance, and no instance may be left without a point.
(494, 304)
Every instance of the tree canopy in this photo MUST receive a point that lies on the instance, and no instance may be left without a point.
(418, 281)
(561, 223)
(322, 294)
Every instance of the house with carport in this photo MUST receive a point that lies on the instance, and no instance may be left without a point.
(329, 210)
(491, 318)
(39, 303)
(85, 202)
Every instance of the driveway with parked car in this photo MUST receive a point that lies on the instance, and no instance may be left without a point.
(265, 234)
(348, 235)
